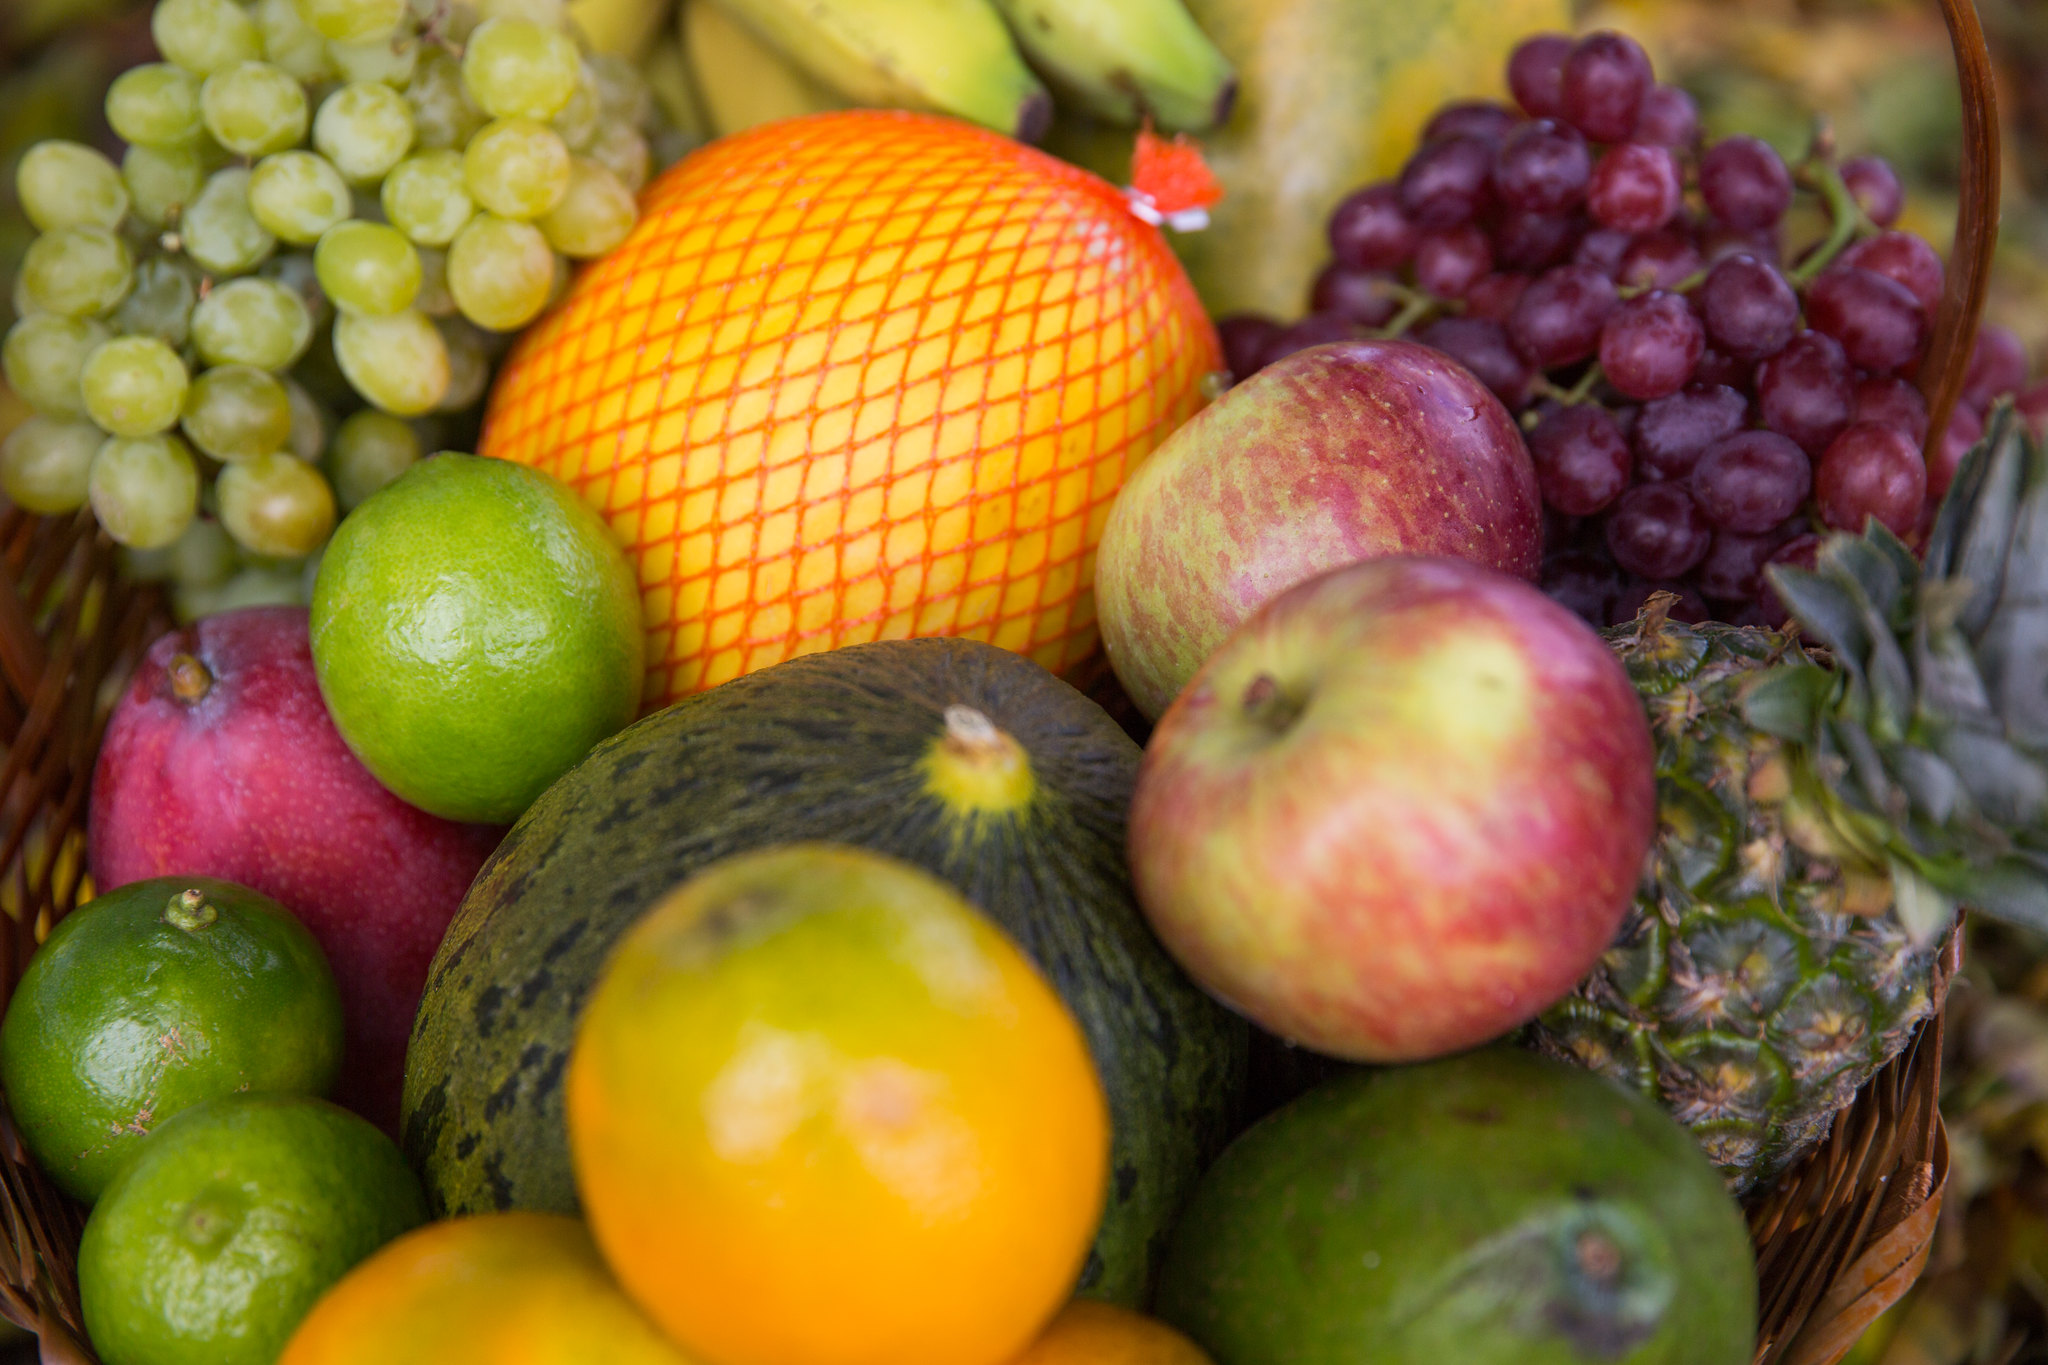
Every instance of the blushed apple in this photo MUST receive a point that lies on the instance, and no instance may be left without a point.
(1335, 454)
(1401, 811)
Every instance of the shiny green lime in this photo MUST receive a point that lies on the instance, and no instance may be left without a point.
(476, 630)
(231, 1221)
(150, 999)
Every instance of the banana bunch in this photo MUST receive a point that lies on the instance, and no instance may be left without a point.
(989, 61)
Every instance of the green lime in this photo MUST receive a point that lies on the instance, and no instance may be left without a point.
(150, 999)
(230, 1223)
(476, 631)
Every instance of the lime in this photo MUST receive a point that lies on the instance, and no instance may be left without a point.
(476, 630)
(150, 999)
(230, 1223)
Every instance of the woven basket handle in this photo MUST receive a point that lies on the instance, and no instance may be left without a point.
(1969, 262)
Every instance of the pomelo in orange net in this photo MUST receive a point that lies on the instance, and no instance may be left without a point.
(859, 376)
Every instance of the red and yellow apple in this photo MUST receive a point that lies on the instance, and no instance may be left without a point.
(1401, 811)
(1332, 455)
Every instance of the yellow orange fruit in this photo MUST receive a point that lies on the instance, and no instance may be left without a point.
(857, 376)
(822, 1112)
(508, 1288)
(1091, 1333)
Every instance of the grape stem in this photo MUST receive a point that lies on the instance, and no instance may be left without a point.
(1578, 393)
(1415, 306)
(1820, 173)
(1684, 286)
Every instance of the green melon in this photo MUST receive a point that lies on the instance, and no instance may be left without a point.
(962, 758)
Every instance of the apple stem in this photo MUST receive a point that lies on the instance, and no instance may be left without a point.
(1598, 1257)
(190, 679)
(1265, 701)
(189, 910)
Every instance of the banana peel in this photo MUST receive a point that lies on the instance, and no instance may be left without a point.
(622, 28)
(740, 80)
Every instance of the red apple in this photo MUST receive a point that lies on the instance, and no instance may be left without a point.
(1399, 812)
(220, 761)
(1332, 455)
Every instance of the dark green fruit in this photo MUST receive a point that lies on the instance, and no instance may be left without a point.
(1495, 1208)
(964, 759)
(154, 997)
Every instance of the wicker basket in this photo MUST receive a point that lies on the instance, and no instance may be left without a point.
(1837, 1242)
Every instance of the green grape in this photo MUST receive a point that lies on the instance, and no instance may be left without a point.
(205, 36)
(203, 557)
(253, 109)
(296, 272)
(353, 21)
(275, 505)
(594, 216)
(68, 184)
(547, 13)
(388, 61)
(469, 364)
(77, 271)
(368, 268)
(252, 587)
(144, 490)
(427, 198)
(364, 129)
(515, 68)
(441, 109)
(43, 356)
(44, 463)
(370, 450)
(434, 299)
(298, 195)
(398, 363)
(161, 181)
(500, 272)
(516, 168)
(621, 90)
(577, 124)
(160, 305)
(309, 424)
(237, 412)
(155, 105)
(251, 322)
(133, 386)
(292, 43)
(621, 150)
(219, 231)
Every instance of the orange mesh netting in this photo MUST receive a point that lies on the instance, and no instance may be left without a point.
(859, 376)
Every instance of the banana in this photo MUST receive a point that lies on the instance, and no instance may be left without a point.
(667, 73)
(623, 28)
(946, 56)
(741, 81)
(1122, 59)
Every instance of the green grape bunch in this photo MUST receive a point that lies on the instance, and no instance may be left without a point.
(329, 220)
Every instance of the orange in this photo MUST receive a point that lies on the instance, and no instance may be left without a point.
(1091, 1333)
(507, 1288)
(859, 376)
(822, 1112)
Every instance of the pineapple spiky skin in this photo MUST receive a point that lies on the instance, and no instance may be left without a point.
(1751, 990)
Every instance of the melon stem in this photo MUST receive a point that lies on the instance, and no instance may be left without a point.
(190, 679)
(976, 766)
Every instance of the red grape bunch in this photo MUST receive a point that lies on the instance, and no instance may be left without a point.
(1698, 403)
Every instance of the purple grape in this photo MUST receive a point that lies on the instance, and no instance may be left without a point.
(1718, 367)
(1482, 347)
(1635, 188)
(1483, 119)
(1543, 167)
(1582, 459)
(1750, 482)
(1245, 337)
(1903, 258)
(1745, 183)
(1673, 432)
(1806, 392)
(1557, 320)
(1965, 429)
(1669, 118)
(1449, 262)
(1733, 570)
(1536, 74)
(1875, 187)
(1371, 231)
(1603, 249)
(1366, 297)
(1998, 366)
(1894, 402)
(1605, 81)
(1718, 242)
(1871, 472)
(1494, 297)
(1655, 530)
(1314, 330)
(1446, 183)
(1800, 552)
(1650, 345)
(1535, 241)
(1663, 260)
(1582, 581)
(1749, 309)
(1877, 320)
(1629, 602)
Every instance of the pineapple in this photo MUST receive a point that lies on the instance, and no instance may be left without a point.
(1824, 814)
